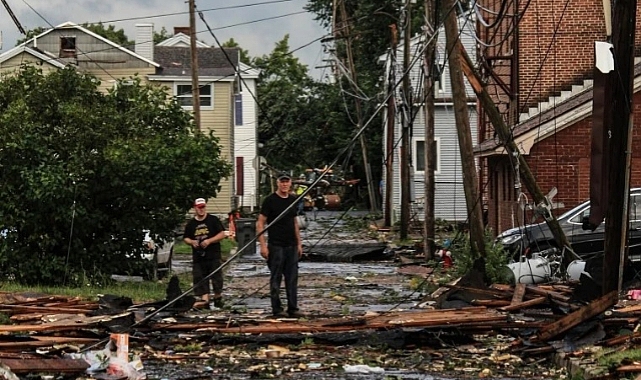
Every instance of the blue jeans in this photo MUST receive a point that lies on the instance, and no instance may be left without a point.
(283, 262)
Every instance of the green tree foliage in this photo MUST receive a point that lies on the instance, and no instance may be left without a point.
(30, 34)
(84, 172)
(370, 38)
(244, 54)
(111, 33)
(289, 110)
(161, 36)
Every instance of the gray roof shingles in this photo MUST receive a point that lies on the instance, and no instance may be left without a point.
(176, 61)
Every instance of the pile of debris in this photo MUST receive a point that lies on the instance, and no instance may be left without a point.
(112, 337)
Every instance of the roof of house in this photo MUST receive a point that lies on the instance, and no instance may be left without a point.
(37, 53)
(550, 120)
(212, 62)
(180, 39)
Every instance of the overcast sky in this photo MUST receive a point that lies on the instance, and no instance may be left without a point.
(255, 24)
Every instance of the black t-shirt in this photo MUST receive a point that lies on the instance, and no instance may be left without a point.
(283, 232)
(202, 230)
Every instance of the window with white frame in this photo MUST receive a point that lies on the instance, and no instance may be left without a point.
(419, 155)
(184, 96)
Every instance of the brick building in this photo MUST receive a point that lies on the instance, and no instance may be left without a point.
(537, 58)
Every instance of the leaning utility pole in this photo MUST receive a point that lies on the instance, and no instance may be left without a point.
(470, 179)
(429, 148)
(406, 121)
(195, 86)
(510, 146)
(373, 202)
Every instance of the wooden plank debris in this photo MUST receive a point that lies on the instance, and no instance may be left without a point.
(50, 321)
(519, 293)
(524, 304)
(573, 319)
(19, 366)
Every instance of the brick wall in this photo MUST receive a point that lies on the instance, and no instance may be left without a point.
(556, 46)
(555, 50)
(561, 161)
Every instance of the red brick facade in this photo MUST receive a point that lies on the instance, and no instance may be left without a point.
(561, 161)
(555, 49)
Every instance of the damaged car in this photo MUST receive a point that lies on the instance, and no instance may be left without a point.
(586, 243)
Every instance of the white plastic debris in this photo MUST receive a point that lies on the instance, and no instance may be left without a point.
(362, 368)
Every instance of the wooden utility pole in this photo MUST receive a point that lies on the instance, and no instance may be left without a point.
(620, 150)
(510, 146)
(470, 179)
(373, 200)
(406, 120)
(195, 86)
(429, 148)
(390, 135)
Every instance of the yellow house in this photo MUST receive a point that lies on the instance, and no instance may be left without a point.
(168, 66)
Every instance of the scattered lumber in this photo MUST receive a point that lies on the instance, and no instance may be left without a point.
(596, 307)
(40, 322)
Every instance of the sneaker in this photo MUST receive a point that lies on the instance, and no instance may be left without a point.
(218, 302)
(296, 314)
(280, 314)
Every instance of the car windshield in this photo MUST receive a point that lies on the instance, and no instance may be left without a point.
(571, 212)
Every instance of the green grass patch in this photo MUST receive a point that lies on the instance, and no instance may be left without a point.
(180, 248)
(615, 359)
(139, 292)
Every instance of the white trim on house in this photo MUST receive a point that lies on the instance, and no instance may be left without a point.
(202, 79)
(26, 49)
(71, 25)
(188, 95)
(248, 71)
(180, 40)
(416, 140)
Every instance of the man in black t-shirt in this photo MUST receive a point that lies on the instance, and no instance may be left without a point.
(204, 233)
(285, 246)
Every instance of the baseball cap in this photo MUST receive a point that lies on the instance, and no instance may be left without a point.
(284, 177)
(200, 202)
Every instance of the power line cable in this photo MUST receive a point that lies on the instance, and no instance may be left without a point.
(204, 10)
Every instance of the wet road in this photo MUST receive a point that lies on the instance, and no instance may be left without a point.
(325, 290)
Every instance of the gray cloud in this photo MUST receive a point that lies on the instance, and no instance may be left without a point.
(259, 38)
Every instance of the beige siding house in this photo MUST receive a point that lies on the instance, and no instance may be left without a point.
(166, 65)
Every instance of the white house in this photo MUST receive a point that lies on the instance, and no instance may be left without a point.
(449, 202)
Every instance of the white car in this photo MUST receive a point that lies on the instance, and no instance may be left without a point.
(160, 254)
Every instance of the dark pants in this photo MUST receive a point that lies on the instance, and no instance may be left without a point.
(283, 262)
(202, 268)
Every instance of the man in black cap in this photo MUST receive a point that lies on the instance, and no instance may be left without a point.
(203, 233)
(285, 246)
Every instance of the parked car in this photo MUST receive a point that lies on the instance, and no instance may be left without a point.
(160, 254)
(585, 243)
